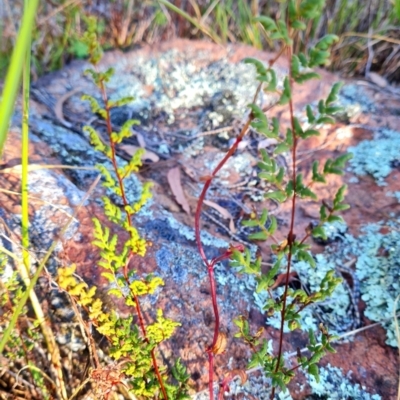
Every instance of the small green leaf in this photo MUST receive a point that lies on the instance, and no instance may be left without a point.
(286, 94)
(267, 176)
(333, 110)
(307, 257)
(109, 276)
(275, 126)
(341, 161)
(115, 292)
(335, 218)
(264, 216)
(293, 325)
(267, 22)
(260, 67)
(311, 337)
(289, 137)
(306, 76)
(327, 41)
(258, 236)
(281, 148)
(277, 195)
(249, 223)
(307, 192)
(321, 107)
(341, 207)
(300, 25)
(303, 60)
(339, 197)
(329, 348)
(316, 176)
(310, 114)
(322, 213)
(295, 65)
(325, 120)
(289, 188)
(297, 127)
(274, 224)
(309, 132)
(280, 175)
(273, 81)
(319, 231)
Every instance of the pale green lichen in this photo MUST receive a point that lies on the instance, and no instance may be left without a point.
(334, 312)
(377, 257)
(377, 269)
(333, 385)
(376, 157)
(354, 98)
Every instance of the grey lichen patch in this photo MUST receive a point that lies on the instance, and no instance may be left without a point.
(174, 261)
(51, 217)
(70, 148)
(354, 98)
(74, 150)
(333, 385)
(170, 229)
(377, 269)
(241, 163)
(48, 191)
(334, 312)
(334, 231)
(52, 187)
(184, 80)
(179, 256)
(376, 157)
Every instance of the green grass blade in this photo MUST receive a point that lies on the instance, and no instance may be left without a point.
(25, 152)
(15, 69)
(397, 8)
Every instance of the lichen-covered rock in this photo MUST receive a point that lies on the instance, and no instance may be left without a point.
(181, 90)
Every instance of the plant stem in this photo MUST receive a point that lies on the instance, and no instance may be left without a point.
(210, 265)
(291, 235)
(129, 220)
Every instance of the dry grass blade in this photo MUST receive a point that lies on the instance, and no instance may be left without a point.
(378, 38)
(34, 167)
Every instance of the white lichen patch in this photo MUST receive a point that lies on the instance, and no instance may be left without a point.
(333, 385)
(241, 163)
(354, 98)
(333, 312)
(52, 188)
(376, 157)
(183, 80)
(377, 268)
